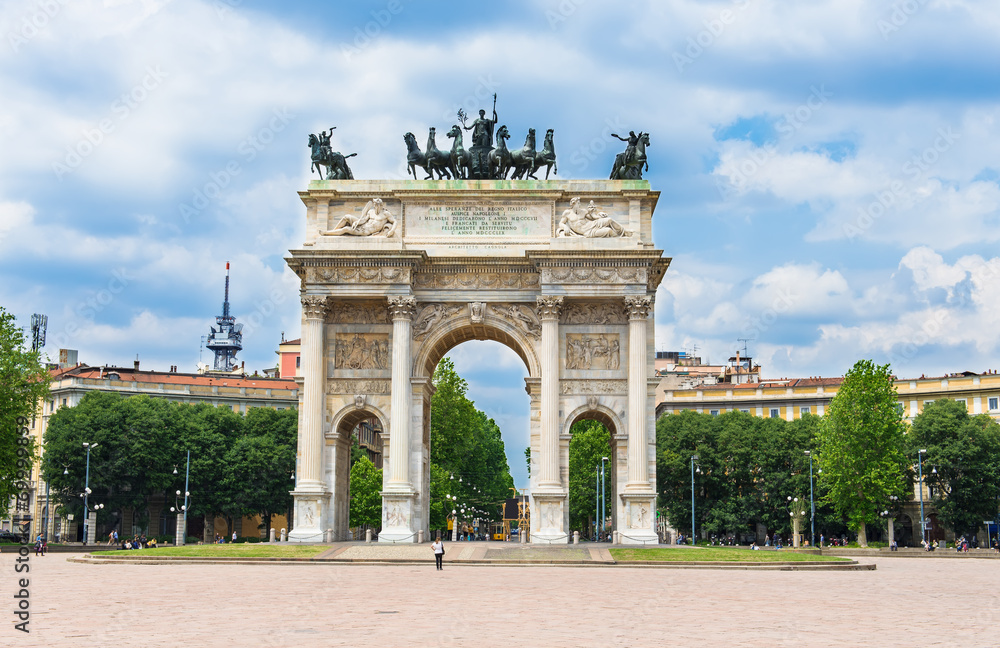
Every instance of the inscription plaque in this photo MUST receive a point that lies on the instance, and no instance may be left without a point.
(479, 219)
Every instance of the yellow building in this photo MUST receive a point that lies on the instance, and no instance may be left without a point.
(70, 382)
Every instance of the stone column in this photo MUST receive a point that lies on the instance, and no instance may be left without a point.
(310, 491)
(311, 437)
(402, 309)
(549, 308)
(638, 466)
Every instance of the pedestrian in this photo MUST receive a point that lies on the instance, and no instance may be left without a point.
(111, 538)
(438, 547)
(234, 536)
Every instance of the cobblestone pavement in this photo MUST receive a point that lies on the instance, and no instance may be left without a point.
(906, 602)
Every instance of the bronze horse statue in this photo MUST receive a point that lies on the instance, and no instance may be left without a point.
(546, 157)
(500, 156)
(523, 160)
(415, 157)
(437, 160)
(461, 160)
(334, 161)
(631, 168)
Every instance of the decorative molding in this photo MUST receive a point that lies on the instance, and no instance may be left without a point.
(549, 306)
(478, 280)
(638, 307)
(361, 351)
(313, 306)
(354, 275)
(402, 307)
(588, 352)
(352, 312)
(363, 386)
(593, 313)
(594, 275)
(359, 401)
(521, 316)
(430, 315)
(609, 387)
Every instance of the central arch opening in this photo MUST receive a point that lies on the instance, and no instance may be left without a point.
(479, 428)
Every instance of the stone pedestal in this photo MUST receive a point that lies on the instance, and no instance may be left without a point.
(639, 526)
(309, 523)
(92, 528)
(397, 517)
(180, 532)
(548, 513)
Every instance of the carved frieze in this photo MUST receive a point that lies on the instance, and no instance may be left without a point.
(594, 275)
(361, 351)
(593, 313)
(428, 315)
(354, 275)
(352, 312)
(574, 387)
(478, 280)
(587, 351)
(358, 387)
(521, 316)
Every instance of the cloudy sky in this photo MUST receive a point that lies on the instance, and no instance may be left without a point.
(828, 168)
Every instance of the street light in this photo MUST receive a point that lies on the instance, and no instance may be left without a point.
(693, 459)
(920, 468)
(604, 490)
(812, 503)
(86, 492)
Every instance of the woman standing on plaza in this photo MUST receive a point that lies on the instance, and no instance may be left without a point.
(438, 547)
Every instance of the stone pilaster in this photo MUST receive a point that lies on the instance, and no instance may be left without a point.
(549, 308)
(310, 492)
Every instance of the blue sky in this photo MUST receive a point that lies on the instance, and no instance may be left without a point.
(829, 169)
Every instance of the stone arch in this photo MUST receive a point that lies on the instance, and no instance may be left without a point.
(595, 412)
(459, 329)
(349, 416)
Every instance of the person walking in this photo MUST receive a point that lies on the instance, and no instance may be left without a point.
(438, 548)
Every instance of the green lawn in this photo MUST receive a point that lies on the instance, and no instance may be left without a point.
(248, 550)
(713, 554)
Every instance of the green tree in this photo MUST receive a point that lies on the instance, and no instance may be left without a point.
(366, 498)
(965, 452)
(257, 477)
(24, 383)
(861, 447)
(590, 442)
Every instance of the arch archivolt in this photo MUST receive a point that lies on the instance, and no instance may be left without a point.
(510, 324)
(350, 415)
(595, 409)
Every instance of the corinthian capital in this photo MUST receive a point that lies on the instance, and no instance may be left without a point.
(313, 306)
(549, 306)
(638, 308)
(402, 307)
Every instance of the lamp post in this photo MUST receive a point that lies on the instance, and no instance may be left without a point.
(693, 459)
(86, 493)
(597, 502)
(603, 491)
(812, 503)
(920, 469)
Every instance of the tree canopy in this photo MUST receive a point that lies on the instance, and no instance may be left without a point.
(962, 463)
(366, 497)
(589, 443)
(24, 383)
(861, 446)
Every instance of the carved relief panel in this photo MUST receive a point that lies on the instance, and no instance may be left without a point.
(361, 351)
(589, 351)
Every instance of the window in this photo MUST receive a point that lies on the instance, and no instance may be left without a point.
(298, 361)
(745, 411)
(963, 402)
(994, 404)
(805, 410)
(714, 412)
(775, 412)
(899, 408)
(64, 402)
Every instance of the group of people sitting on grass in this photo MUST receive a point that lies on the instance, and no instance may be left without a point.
(139, 542)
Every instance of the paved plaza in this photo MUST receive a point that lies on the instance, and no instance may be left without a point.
(905, 602)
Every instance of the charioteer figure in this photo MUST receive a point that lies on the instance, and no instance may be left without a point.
(482, 141)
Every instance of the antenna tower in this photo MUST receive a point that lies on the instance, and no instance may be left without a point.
(39, 323)
(226, 338)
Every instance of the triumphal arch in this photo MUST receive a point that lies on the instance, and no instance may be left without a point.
(394, 273)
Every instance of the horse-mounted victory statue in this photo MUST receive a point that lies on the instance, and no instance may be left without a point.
(481, 161)
(323, 156)
(629, 165)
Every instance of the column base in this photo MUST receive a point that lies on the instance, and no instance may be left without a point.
(639, 525)
(548, 518)
(310, 516)
(397, 517)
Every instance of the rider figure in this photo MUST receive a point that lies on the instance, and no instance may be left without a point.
(632, 140)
